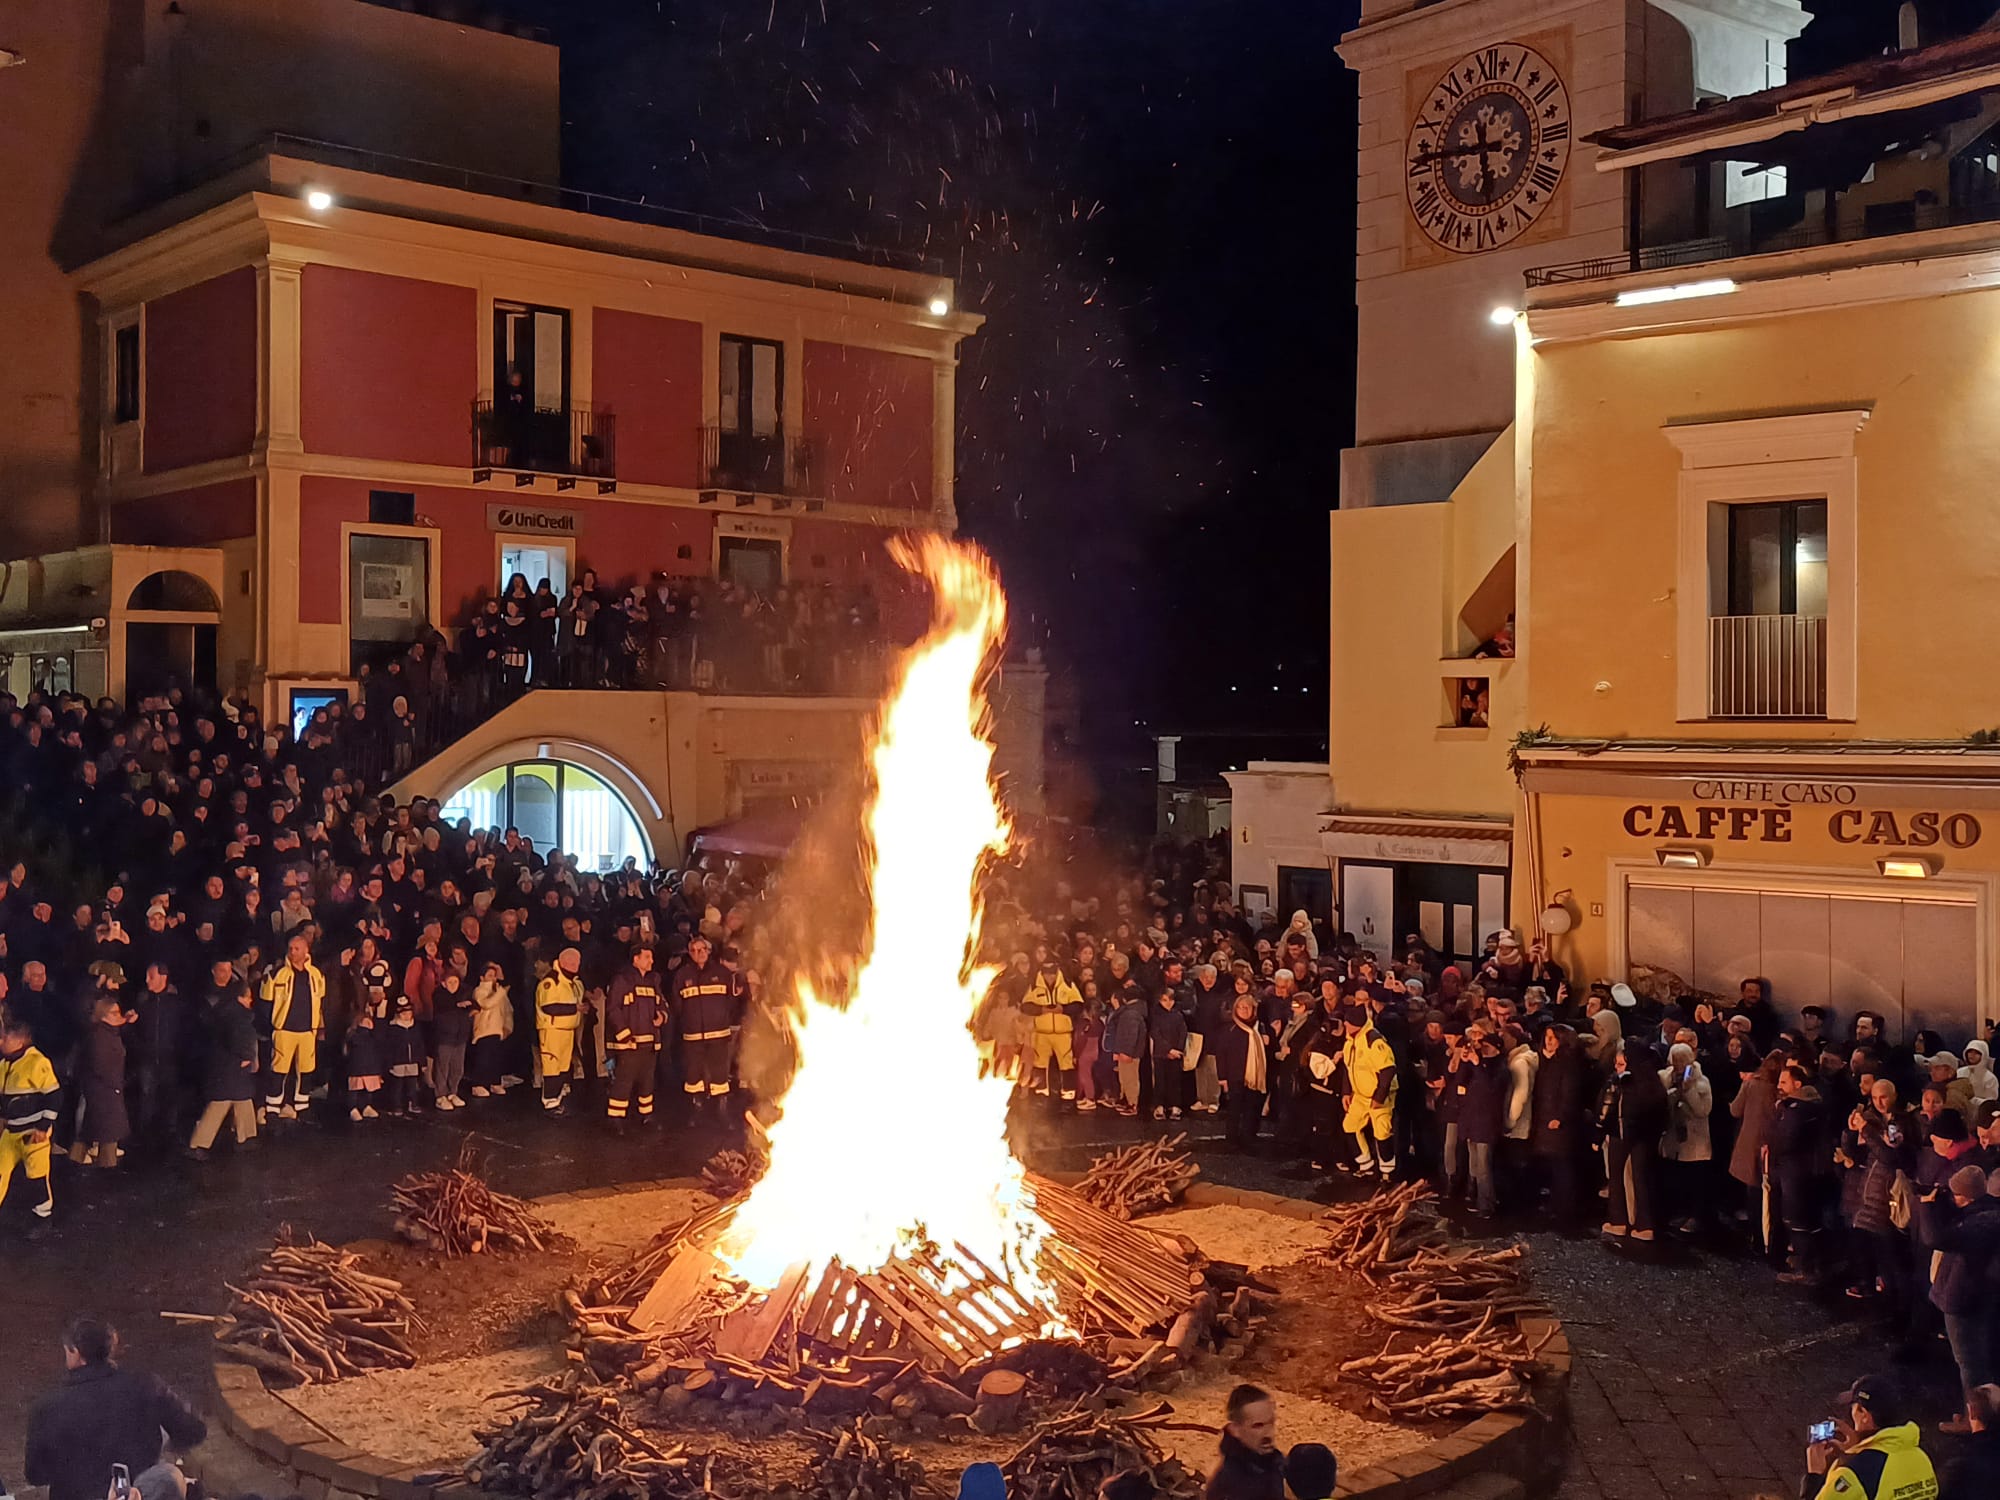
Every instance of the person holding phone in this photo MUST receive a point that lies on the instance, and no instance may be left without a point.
(102, 1418)
(1873, 1452)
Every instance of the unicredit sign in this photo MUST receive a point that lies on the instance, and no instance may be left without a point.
(537, 520)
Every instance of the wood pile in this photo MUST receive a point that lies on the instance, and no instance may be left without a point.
(851, 1465)
(1485, 1369)
(308, 1314)
(1118, 1279)
(1136, 1179)
(1067, 1457)
(1464, 1300)
(570, 1439)
(456, 1213)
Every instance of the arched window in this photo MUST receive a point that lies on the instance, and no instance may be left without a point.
(555, 805)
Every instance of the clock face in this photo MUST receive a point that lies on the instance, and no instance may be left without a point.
(1488, 149)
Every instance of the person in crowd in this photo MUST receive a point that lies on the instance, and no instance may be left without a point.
(454, 1005)
(1243, 1065)
(295, 994)
(1961, 1222)
(1167, 1042)
(103, 1123)
(1755, 1103)
(1879, 1146)
(1052, 1006)
(1475, 1099)
(1796, 1166)
(1968, 1473)
(230, 1070)
(1252, 1465)
(1517, 1118)
(1686, 1150)
(1368, 1103)
(30, 1098)
(103, 1417)
(707, 1009)
(1633, 1112)
(492, 1025)
(1559, 1141)
(635, 1018)
(1208, 1004)
(1125, 1040)
(402, 1059)
(1877, 1450)
(1311, 1472)
(559, 1007)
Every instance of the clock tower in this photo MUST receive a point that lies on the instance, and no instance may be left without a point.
(1470, 173)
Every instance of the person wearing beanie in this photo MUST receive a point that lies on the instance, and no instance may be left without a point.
(558, 1017)
(402, 1059)
(1311, 1471)
(1960, 1222)
(982, 1482)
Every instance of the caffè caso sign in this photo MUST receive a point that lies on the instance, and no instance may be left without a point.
(1768, 812)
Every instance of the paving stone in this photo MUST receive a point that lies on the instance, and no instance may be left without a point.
(1622, 1482)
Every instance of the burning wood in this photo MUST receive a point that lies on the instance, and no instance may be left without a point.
(570, 1439)
(731, 1174)
(456, 1213)
(308, 1315)
(1069, 1456)
(1135, 1179)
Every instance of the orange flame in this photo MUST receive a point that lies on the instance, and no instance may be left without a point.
(889, 1131)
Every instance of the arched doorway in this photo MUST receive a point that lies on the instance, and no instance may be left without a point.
(555, 805)
(170, 621)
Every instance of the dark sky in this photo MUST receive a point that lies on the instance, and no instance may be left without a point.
(1152, 203)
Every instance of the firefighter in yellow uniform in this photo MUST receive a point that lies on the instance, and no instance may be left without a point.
(558, 1017)
(1052, 1005)
(1370, 1115)
(296, 993)
(29, 1098)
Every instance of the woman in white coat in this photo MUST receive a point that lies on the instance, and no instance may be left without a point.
(1686, 1148)
(492, 1024)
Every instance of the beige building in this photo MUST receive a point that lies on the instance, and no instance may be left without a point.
(1471, 172)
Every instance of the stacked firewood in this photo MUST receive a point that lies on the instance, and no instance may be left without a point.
(851, 1465)
(1387, 1227)
(570, 1438)
(1464, 1300)
(1068, 1456)
(456, 1213)
(1135, 1179)
(309, 1314)
(1484, 1369)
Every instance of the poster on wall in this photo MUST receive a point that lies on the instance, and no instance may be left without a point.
(388, 591)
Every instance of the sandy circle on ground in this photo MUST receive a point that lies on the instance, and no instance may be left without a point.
(622, 1222)
(426, 1415)
(1248, 1236)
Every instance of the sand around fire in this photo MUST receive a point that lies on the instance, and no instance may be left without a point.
(427, 1415)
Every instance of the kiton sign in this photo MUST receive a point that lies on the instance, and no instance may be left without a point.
(536, 520)
(1921, 828)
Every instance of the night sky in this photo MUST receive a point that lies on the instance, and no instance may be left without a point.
(1151, 201)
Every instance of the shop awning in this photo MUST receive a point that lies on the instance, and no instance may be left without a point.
(759, 835)
(1418, 840)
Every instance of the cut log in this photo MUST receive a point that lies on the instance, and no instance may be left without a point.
(999, 1403)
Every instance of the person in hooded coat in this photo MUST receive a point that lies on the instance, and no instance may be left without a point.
(1978, 1072)
(1686, 1148)
(1558, 1140)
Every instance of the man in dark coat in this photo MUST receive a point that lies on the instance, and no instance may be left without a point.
(1253, 1465)
(102, 1416)
(230, 1069)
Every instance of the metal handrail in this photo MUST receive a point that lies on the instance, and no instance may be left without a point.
(582, 440)
(1766, 667)
(772, 463)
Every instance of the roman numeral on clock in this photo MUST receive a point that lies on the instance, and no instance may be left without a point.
(1545, 176)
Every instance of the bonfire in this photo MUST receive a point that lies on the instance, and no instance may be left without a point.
(894, 1217)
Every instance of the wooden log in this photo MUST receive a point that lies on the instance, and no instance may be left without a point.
(703, 1385)
(1192, 1326)
(998, 1406)
(942, 1397)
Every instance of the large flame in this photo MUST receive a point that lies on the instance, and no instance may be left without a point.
(889, 1131)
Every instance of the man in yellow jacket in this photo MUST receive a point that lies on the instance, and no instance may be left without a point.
(29, 1098)
(1370, 1103)
(558, 1017)
(296, 993)
(1879, 1455)
(1052, 1005)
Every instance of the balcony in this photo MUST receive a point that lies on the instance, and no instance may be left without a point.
(579, 443)
(771, 464)
(1766, 667)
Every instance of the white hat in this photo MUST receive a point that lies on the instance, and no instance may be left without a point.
(1622, 996)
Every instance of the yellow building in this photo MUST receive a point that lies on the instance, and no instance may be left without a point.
(1756, 557)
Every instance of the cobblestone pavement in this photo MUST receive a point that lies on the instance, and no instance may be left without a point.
(1696, 1376)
